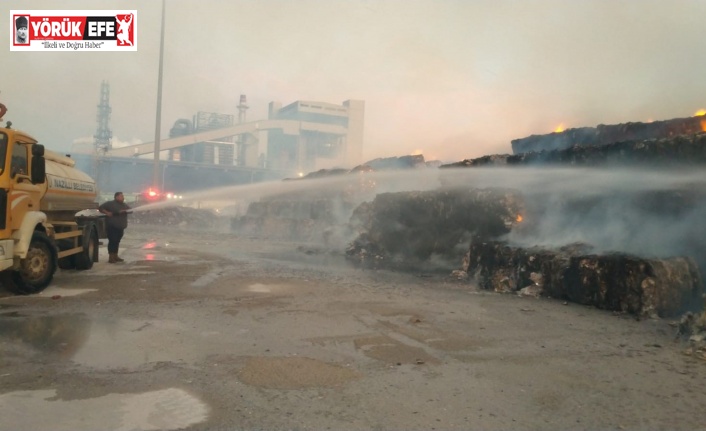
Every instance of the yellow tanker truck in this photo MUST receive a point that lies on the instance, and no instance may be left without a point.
(41, 193)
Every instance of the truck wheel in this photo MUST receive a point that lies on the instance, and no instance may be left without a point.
(36, 270)
(85, 259)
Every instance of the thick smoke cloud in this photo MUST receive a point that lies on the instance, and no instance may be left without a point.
(643, 212)
(646, 212)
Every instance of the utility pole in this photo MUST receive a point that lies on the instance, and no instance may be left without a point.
(103, 136)
(240, 139)
(102, 139)
(158, 123)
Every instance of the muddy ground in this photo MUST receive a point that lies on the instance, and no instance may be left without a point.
(206, 330)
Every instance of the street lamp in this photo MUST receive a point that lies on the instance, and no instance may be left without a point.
(158, 123)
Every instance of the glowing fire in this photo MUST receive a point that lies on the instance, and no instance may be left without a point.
(559, 128)
(703, 125)
(519, 218)
(700, 113)
(417, 152)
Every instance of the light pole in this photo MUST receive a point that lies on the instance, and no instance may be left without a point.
(158, 123)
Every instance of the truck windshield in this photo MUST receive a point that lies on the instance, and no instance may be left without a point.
(3, 151)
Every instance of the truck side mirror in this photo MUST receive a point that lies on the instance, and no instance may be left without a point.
(38, 150)
(39, 164)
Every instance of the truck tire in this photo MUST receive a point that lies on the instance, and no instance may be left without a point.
(85, 259)
(36, 270)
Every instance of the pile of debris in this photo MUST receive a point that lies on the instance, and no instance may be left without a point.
(177, 216)
(381, 164)
(679, 150)
(295, 217)
(433, 229)
(614, 281)
(394, 163)
(607, 134)
(407, 228)
(319, 214)
(692, 327)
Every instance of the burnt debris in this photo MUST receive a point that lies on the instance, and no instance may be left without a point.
(626, 247)
(319, 215)
(613, 281)
(608, 134)
(689, 150)
(407, 228)
(296, 218)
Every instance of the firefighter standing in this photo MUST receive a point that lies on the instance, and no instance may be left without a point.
(117, 211)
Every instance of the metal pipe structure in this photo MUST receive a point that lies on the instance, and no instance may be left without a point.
(158, 125)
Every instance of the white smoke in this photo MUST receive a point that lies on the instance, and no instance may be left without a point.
(85, 144)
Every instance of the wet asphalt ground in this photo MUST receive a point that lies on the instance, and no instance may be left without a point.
(208, 330)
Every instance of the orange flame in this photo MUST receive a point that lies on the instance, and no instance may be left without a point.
(417, 152)
(559, 128)
(519, 218)
(700, 113)
(703, 125)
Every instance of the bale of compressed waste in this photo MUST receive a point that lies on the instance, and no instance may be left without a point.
(296, 217)
(677, 150)
(607, 134)
(611, 281)
(412, 227)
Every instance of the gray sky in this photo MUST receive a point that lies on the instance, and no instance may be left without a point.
(453, 79)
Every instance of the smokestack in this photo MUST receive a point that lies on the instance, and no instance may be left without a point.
(242, 108)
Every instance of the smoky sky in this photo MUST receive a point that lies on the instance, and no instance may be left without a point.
(450, 79)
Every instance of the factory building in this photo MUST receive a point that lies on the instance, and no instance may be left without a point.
(329, 134)
(299, 137)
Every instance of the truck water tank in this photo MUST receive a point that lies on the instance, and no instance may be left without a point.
(66, 188)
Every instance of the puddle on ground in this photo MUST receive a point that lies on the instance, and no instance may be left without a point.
(60, 291)
(165, 409)
(217, 279)
(153, 251)
(294, 373)
(131, 343)
(302, 258)
(117, 269)
(210, 277)
(152, 257)
(61, 335)
(391, 351)
(278, 288)
(259, 288)
(107, 344)
(151, 246)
